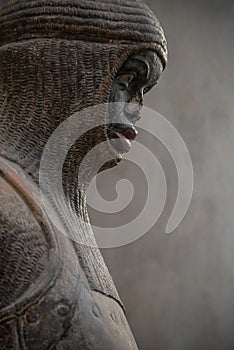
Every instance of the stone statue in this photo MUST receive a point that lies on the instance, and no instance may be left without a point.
(58, 57)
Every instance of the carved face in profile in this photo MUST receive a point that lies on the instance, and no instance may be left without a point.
(106, 143)
(135, 78)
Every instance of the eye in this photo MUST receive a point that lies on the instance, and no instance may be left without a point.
(126, 80)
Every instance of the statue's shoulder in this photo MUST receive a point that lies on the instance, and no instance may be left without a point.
(20, 208)
(25, 242)
(15, 212)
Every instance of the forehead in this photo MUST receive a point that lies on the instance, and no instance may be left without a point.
(148, 55)
(148, 59)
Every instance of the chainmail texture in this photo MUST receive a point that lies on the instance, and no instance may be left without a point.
(103, 20)
(23, 247)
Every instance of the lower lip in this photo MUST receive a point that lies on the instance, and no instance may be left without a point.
(121, 144)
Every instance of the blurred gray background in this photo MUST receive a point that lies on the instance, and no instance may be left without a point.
(179, 289)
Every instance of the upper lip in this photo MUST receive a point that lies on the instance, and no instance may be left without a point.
(128, 131)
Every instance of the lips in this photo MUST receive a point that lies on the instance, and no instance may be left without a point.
(121, 137)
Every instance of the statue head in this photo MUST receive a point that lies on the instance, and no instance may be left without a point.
(58, 57)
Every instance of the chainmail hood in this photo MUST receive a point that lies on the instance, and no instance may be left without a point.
(107, 21)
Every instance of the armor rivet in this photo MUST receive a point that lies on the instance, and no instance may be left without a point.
(96, 310)
(63, 310)
(33, 316)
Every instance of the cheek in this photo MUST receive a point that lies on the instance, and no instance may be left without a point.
(119, 95)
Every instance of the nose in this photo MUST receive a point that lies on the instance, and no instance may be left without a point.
(132, 109)
(138, 98)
